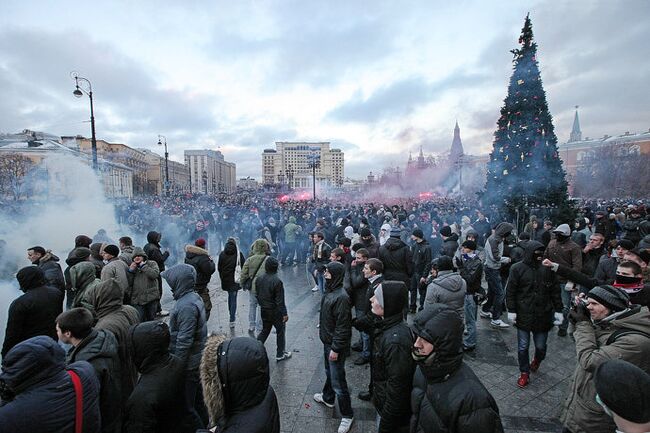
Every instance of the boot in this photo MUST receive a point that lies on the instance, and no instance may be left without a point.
(523, 380)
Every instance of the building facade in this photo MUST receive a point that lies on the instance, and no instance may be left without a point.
(210, 173)
(179, 175)
(289, 164)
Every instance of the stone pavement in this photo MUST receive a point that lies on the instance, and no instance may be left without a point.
(534, 409)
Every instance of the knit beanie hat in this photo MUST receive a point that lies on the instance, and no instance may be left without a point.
(470, 245)
(200, 242)
(625, 244)
(365, 232)
(625, 389)
(395, 232)
(443, 263)
(445, 231)
(79, 253)
(611, 297)
(113, 250)
(417, 232)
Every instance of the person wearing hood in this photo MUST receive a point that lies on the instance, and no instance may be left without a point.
(494, 260)
(518, 252)
(291, 231)
(153, 252)
(143, 285)
(188, 330)
(367, 239)
(100, 349)
(84, 281)
(564, 251)
(236, 386)
(447, 395)
(126, 249)
(465, 227)
(447, 286)
(33, 313)
(384, 233)
(606, 327)
(39, 393)
(270, 297)
(115, 269)
(49, 264)
(197, 256)
(335, 333)
(534, 305)
(80, 253)
(397, 259)
(157, 404)
(421, 256)
(252, 269)
(231, 259)
(580, 232)
(391, 366)
(96, 258)
(449, 242)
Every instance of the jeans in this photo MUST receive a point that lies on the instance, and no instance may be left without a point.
(567, 298)
(471, 309)
(254, 317)
(194, 397)
(336, 386)
(288, 252)
(273, 319)
(232, 304)
(147, 311)
(496, 293)
(523, 342)
(365, 338)
(320, 281)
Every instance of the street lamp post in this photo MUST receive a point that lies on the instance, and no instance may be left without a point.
(313, 162)
(163, 140)
(78, 92)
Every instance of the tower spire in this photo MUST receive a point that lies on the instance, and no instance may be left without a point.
(456, 150)
(576, 133)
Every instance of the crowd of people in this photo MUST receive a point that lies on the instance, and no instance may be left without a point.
(408, 281)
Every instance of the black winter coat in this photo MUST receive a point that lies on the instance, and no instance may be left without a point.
(471, 270)
(201, 261)
(335, 315)
(397, 260)
(533, 293)
(421, 254)
(449, 246)
(227, 264)
(357, 286)
(49, 264)
(152, 250)
(590, 261)
(33, 313)
(270, 293)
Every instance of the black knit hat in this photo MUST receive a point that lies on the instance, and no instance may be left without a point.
(625, 389)
(445, 231)
(113, 250)
(469, 244)
(626, 244)
(365, 232)
(611, 297)
(443, 263)
(418, 233)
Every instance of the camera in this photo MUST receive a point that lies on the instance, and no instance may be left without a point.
(580, 302)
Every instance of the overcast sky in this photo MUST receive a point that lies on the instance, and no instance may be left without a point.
(377, 79)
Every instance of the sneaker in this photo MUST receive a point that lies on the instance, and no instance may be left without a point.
(523, 380)
(361, 361)
(561, 333)
(534, 365)
(499, 324)
(285, 355)
(162, 313)
(318, 397)
(232, 324)
(484, 314)
(346, 424)
(314, 289)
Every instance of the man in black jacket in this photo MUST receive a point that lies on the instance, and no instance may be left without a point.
(421, 254)
(49, 264)
(447, 395)
(397, 260)
(470, 269)
(357, 288)
(335, 332)
(157, 404)
(33, 313)
(197, 256)
(392, 366)
(270, 297)
(153, 252)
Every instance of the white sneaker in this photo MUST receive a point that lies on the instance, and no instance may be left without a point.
(499, 324)
(484, 315)
(285, 355)
(163, 313)
(346, 424)
(314, 289)
(232, 324)
(318, 397)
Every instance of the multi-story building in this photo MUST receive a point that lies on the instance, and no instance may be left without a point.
(179, 174)
(210, 173)
(247, 183)
(289, 164)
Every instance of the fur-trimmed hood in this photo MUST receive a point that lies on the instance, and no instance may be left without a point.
(193, 250)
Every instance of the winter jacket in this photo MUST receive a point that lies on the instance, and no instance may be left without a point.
(320, 255)
(421, 255)
(126, 255)
(533, 293)
(590, 261)
(118, 270)
(357, 286)
(83, 281)
(566, 253)
(494, 246)
(259, 251)
(75, 256)
(235, 378)
(631, 229)
(187, 322)
(45, 399)
(449, 246)
(397, 260)
(100, 349)
(335, 315)
(582, 414)
(484, 230)
(291, 231)
(152, 250)
(447, 288)
(49, 264)
(270, 290)
(518, 252)
(471, 270)
(35, 312)
(202, 263)
(227, 264)
(144, 280)
(372, 246)
(447, 395)
(157, 404)
(606, 270)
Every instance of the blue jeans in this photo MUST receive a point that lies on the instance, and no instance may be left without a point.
(320, 281)
(365, 338)
(567, 298)
(471, 309)
(288, 252)
(496, 293)
(523, 342)
(336, 386)
(147, 311)
(232, 304)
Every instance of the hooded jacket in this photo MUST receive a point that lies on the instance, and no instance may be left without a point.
(566, 253)
(582, 414)
(118, 270)
(126, 254)
(227, 264)
(202, 263)
(397, 260)
(143, 280)
(187, 322)
(100, 349)
(83, 281)
(270, 290)
(157, 404)
(494, 246)
(447, 395)
(447, 288)
(152, 249)
(49, 264)
(77, 255)
(533, 292)
(449, 246)
(335, 314)
(45, 398)
(35, 312)
(291, 230)
(259, 251)
(421, 254)
(235, 378)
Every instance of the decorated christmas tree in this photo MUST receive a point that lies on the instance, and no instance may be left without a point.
(525, 171)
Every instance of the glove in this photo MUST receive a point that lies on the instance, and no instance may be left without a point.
(512, 317)
(579, 314)
(559, 318)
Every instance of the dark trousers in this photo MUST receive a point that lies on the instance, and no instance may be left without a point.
(273, 319)
(336, 387)
(288, 253)
(496, 292)
(147, 311)
(232, 304)
(415, 289)
(204, 293)
(194, 397)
